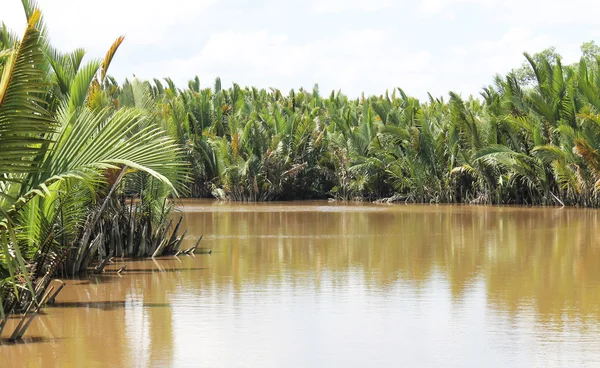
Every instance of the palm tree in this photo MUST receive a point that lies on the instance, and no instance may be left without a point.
(56, 163)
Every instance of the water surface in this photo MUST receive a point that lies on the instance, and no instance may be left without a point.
(354, 285)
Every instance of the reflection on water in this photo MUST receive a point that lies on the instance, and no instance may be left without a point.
(319, 284)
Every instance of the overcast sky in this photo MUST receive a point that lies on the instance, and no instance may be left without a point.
(353, 45)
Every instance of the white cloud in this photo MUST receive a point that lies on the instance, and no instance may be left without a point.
(337, 6)
(551, 12)
(369, 59)
(12, 15)
(249, 45)
(468, 67)
(431, 7)
(75, 23)
(520, 12)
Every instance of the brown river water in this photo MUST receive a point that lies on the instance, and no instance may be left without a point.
(318, 284)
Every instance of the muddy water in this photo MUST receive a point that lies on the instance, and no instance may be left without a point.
(316, 284)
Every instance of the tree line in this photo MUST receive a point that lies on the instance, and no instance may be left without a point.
(531, 138)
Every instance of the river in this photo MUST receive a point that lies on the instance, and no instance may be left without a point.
(318, 284)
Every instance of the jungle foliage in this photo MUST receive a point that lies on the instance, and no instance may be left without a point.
(531, 138)
(69, 156)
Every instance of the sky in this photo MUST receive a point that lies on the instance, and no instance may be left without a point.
(355, 46)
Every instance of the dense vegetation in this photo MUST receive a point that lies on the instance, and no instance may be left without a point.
(531, 139)
(76, 147)
(68, 159)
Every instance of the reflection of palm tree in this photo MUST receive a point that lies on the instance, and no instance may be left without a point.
(495, 246)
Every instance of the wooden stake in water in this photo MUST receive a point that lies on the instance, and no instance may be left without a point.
(193, 249)
(52, 299)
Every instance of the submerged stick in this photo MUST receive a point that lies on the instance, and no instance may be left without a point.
(160, 248)
(163, 234)
(52, 299)
(34, 314)
(100, 267)
(193, 249)
(178, 241)
(174, 235)
(558, 200)
(5, 320)
(122, 269)
(15, 333)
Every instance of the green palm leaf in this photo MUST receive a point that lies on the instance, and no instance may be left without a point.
(24, 121)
